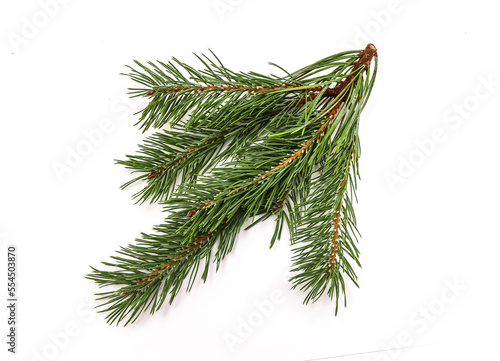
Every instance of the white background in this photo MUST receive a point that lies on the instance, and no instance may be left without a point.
(429, 218)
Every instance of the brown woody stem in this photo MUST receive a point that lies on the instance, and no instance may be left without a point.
(336, 222)
(249, 89)
(156, 272)
(184, 154)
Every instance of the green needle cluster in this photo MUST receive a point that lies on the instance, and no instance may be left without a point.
(233, 149)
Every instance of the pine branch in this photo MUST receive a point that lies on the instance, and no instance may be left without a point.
(226, 96)
(253, 147)
(325, 237)
(155, 268)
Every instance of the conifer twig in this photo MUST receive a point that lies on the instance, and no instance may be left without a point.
(240, 147)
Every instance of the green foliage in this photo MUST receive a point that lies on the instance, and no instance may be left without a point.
(237, 148)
